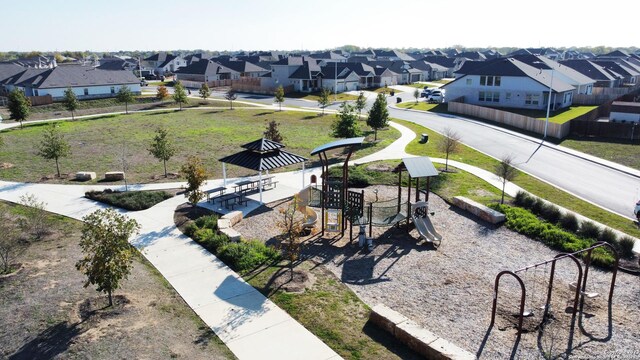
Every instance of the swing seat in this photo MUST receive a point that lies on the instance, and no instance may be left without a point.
(589, 295)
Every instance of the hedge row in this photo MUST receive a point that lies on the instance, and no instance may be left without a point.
(129, 200)
(240, 256)
(569, 222)
(526, 223)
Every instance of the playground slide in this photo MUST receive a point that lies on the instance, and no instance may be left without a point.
(423, 224)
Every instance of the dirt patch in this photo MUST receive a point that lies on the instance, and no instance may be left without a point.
(170, 176)
(5, 165)
(282, 280)
(383, 167)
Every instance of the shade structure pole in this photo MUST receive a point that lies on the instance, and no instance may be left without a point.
(224, 174)
(303, 174)
(260, 185)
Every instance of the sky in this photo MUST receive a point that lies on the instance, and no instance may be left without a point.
(45, 25)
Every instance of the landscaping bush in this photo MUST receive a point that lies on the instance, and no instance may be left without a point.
(358, 176)
(551, 213)
(602, 257)
(589, 230)
(190, 229)
(522, 198)
(247, 255)
(569, 221)
(624, 246)
(129, 200)
(607, 235)
(537, 206)
(207, 222)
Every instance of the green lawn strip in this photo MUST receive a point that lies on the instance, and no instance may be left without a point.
(559, 117)
(331, 311)
(441, 81)
(535, 186)
(316, 96)
(97, 143)
(425, 106)
(384, 89)
(130, 200)
(620, 152)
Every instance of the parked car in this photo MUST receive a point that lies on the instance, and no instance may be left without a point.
(636, 211)
(150, 77)
(436, 96)
(426, 92)
(143, 82)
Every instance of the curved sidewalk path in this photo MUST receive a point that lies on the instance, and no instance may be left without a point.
(251, 325)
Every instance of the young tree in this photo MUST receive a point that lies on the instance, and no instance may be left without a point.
(19, 106)
(416, 94)
(196, 175)
(108, 256)
(162, 93)
(161, 147)
(70, 101)
(204, 91)
(180, 94)
(346, 123)
(10, 244)
(230, 95)
(360, 103)
(53, 146)
(323, 99)
(125, 95)
(272, 132)
(279, 96)
(378, 115)
(35, 222)
(449, 144)
(506, 172)
(290, 225)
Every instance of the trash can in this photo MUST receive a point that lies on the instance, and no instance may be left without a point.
(393, 93)
(424, 139)
(398, 100)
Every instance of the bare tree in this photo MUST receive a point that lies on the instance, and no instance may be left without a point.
(449, 144)
(36, 220)
(506, 172)
(290, 225)
(11, 246)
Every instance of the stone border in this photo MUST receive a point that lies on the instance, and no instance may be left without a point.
(483, 212)
(418, 339)
(226, 222)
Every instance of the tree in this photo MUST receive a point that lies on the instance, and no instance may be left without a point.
(346, 123)
(108, 256)
(416, 94)
(125, 95)
(323, 99)
(378, 115)
(19, 106)
(53, 146)
(161, 147)
(449, 144)
(290, 225)
(279, 94)
(230, 95)
(179, 94)
(204, 91)
(272, 132)
(162, 93)
(506, 172)
(36, 222)
(70, 101)
(360, 103)
(196, 175)
(10, 244)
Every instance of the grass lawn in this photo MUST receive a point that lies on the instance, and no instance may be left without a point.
(442, 81)
(559, 117)
(316, 96)
(624, 153)
(527, 182)
(47, 313)
(97, 144)
(384, 89)
(130, 200)
(425, 106)
(331, 311)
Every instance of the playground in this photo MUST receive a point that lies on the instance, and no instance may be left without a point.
(449, 290)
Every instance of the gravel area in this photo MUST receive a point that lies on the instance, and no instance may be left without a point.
(449, 290)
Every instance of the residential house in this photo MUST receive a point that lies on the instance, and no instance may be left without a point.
(631, 75)
(392, 55)
(582, 83)
(86, 82)
(10, 81)
(625, 111)
(366, 74)
(509, 83)
(206, 71)
(36, 62)
(339, 77)
(405, 74)
(384, 77)
(328, 57)
(244, 69)
(601, 76)
(451, 64)
(163, 63)
(8, 71)
(307, 77)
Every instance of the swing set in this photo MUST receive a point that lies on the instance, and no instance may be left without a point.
(579, 287)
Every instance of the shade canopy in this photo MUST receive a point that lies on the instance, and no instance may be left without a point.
(338, 144)
(417, 167)
(263, 154)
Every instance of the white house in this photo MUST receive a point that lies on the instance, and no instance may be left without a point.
(339, 79)
(162, 63)
(625, 111)
(582, 83)
(510, 83)
(86, 82)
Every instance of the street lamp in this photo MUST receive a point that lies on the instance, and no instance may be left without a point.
(546, 125)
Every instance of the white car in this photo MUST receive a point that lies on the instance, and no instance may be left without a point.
(636, 211)
(436, 96)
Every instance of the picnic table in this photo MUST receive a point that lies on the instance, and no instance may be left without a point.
(252, 184)
(214, 193)
(230, 200)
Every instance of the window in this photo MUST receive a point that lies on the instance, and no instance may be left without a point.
(481, 96)
(35, 92)
(490, 80)
(489, 96)
(483, 80)
(497, 80)
(496, 97)
(86, 91)
(567, 97)
(469, 81)
(113, 90)
(508, 96)
(532, 99)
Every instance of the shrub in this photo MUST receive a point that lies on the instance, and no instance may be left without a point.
(569, 221)
(602, 257)
(607, 235)
(551, 213)
(247, 255)
(589, 230)
(203, 235)
(537, 206)
(208, 222)
(624, 246)
(129, 200)
(522, 198)
(216, 242)
(190, 229)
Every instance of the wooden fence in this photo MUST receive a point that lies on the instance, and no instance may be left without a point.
(606, 129)
(602, 95)
(558, 131)
(40, 100)
(258, 89)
